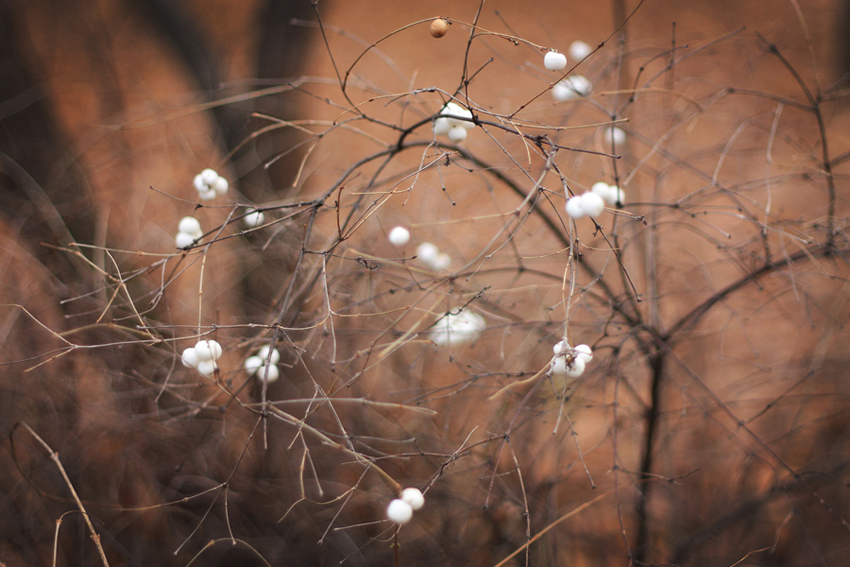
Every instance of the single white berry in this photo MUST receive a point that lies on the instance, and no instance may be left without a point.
(207, 195)
(413, 496)
(204, 351)
(399, 236)
(442, 126)
(579, 50)
(575, 368)
(584, 352)
(592, 204)
(220, 186)
(207, 367)
(399, 511)
(253, 364)
(264, 354)
(454, 109)
(190, 358)
(458, 329)
(554, 61)
(572, 87)
(574, 208)
(602, 189)
(427, 252)
(560, 347)
(209, 176)
(442, 261)
(199, 184)
(615, 135)
(184, 240)
(457, 134)
(254, 218)
(268, 373)
(190, 225)
(617, 195)
(215, 349)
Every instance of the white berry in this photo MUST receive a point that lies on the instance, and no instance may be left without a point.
(209, 176)
(554, 61)
(207, 367)
(592, 204)
(253, 364)
(190, 225)
(584, 352)
(615, 135)
(560, 347)
(220, 185)
(184, 240)
(457, 134)
(413, 496)
(576, 368)
(399, 511)
(264, 354)
(254, 218)
(427, 252)
(579, 50)
(571, 87)
(207, 194)
(574, 208)
(190, 358)
(206, 351)
(442, 126)
(268, 373)
(399, 236)
(442, 261)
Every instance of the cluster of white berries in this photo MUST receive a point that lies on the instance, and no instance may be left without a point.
(572, 87)
(256, 365)
(454, 128)
(611, 194)
(189, 232)
(401, 509)
(399, 236)
(457, 329)
(202, 357)
(430, 255)
(614, 136)
(210, 184)
(587, 205)
(568, 360)
(254, 218)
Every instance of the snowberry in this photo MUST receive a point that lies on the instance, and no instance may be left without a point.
(399, 511)
(454, 109)
(208, 350)
(207, 367)
(574, 208)
(617, 195)
(207, 195)
(184, 240)
(190, 225)
(220, 185)
(190, 358)
(573, 370)
(592, 204)
(442, 261)
(253, 364)
(457, 329)
(413, 496)
(584, 352)
(554, 61)
(457, 134)
(268, 373)
(399, 236)
(614, 135)
(254, 219)
(571, 87)
(560, 347)
(264, 354)
(579, 50)
(442, 126)
(439, 28)
(209, 176)
(199, 184)
(427, 252)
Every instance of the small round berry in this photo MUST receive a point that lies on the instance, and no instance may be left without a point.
(574, 208)
(615, 135)
(584, 352)
(254, 219)
(207, 195)
(253, 364)
(209, 176)
(576, 368)
(199, 184)
(439, 28)
(190, 358)
(220, 186)
(457, 134)
(442, 126)
(592, 204)
(560, 347)
(413, 496)
(554, 61)
(579, 50)
(215, 349)
(264, 354)
(399, 236)
(399, 511)
(184, 240)
(190, 225)
(204, 350)
(207, 367)
(442, 261)
(427, 252)
(268, 373)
